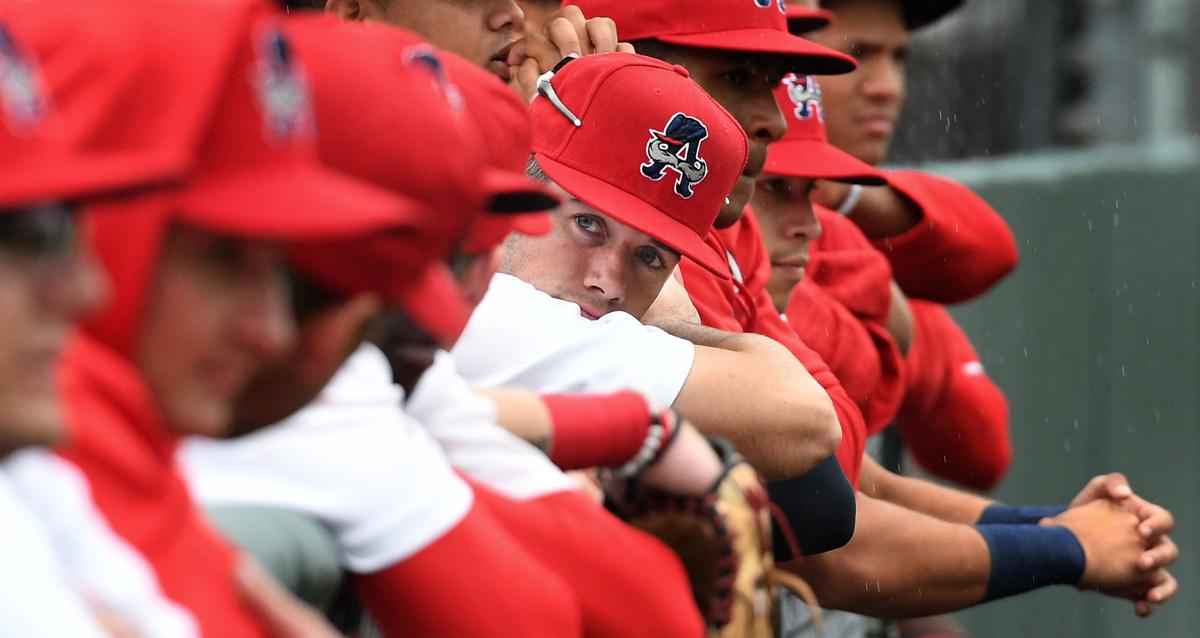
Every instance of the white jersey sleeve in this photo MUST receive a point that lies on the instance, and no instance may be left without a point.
(464, 424)
(352, 459)
(100, 563)
(521, 336)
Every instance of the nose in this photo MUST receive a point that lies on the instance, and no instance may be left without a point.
(265, 327)
(764, 121)
(883, 79)
(799, 221)
(76, 286)
(507, 15)
(604, 277)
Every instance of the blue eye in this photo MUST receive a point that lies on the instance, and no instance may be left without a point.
(587, 223)
(650, 257)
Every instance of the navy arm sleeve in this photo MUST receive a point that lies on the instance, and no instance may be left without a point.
(818, 506)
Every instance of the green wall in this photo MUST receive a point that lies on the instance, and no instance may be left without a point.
(1095, 340)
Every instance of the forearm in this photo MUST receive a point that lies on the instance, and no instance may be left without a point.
(882, 211)
(523, 413)
(947, 504)
(900, 564)
(757, 395)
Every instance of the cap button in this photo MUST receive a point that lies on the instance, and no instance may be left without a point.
(681, 70)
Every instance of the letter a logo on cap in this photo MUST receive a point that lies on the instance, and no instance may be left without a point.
(805, 93)
(282, 90)
(677, 147)
(21, 93)
(766, 4)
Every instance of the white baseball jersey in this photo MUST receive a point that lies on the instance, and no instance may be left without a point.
(352, 459)
(521, 336)
(464, 424)
(60, 556)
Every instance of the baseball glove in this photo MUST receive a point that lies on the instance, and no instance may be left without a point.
(723, 539)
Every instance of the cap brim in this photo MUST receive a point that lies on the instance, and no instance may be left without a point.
(821, 160)
(62, 179)
(810, 58)
(489, 230)
(926, 12)
(292, 203)
(635, 213)
(803, 19)
(434, 302)
(510, 192)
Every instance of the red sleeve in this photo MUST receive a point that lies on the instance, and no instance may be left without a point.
(854, 429)
(959, 250)
(954, 419)
(847, 267)
(477, 560)
(747, 307)
(861, 354)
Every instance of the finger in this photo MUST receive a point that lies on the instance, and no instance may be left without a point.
(525, 79)
(564, 36)
(572, 14)
(536, 47)
(1161, 555)
(1116, 486)
(625, 47)
(1155, 520)
(1163, 591)
(1143, 609)
(602, 33)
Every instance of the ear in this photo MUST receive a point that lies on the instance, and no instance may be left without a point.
(474, 281)
(355, 10)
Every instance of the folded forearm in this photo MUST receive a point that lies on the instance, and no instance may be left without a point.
(945, 503)
(900, 564)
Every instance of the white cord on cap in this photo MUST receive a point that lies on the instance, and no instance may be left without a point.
(546, 90)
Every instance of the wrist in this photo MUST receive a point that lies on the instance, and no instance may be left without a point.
(1001, 514)
(1028, 557)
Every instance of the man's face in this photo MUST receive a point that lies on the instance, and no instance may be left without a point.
(787, 224)
(46, 282)
(743, 84)
(592, 260)
(217, 311)
(479, 30)
(861, 107)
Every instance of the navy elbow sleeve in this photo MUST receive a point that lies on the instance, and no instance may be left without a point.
(819, 508)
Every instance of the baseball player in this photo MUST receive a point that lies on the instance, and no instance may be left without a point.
(954, 418)
(59, 552)
(944, 242)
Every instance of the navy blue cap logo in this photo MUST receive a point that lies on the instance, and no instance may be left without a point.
(766, 4)
(282, 89)
(426, 57)
(805, 94)
(677, 148)
(21, 96)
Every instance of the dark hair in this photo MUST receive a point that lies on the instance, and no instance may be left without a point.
(303, 5)
(653, 48)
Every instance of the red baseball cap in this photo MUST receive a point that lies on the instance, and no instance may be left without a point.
(501, 120)
(202, 94)
(397, 121)
(802, 19)
(805, 150)
(97, 98)
(756, 26)
(639, 141)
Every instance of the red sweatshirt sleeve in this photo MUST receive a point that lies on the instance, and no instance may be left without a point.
(767, 322)
(954, 419)
(860, 353)
(477, 560)
(959, 250)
